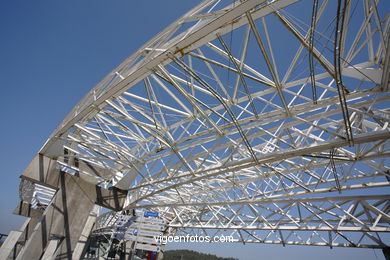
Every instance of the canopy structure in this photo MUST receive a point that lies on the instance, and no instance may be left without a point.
(264, 120)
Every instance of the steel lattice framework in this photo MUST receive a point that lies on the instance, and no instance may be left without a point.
(265, 120)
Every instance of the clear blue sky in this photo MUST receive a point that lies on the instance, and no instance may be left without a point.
(52, 52)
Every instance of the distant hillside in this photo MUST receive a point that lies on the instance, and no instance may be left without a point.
(191, 255)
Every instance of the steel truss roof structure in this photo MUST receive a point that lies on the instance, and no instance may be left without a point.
(265, 120)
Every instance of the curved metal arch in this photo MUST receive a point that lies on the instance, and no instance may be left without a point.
(217, 134)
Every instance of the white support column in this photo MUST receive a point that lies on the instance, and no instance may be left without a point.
(51, 250)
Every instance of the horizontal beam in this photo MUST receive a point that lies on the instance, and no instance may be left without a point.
(301, 243)
(287, 228)
(271, 201)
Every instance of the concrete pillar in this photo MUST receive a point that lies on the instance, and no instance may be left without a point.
(34, 215)
(64, 217)
(51, 250)
(129, 252)
(160, 255)
(6, 250)
(43, 170)
(82, 242)
(68, 212)
(40, 170)
(9, 250)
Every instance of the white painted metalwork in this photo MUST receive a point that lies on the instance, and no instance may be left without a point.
(267, 120)
(39, 196)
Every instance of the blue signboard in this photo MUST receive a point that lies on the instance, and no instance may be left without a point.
(153, 214)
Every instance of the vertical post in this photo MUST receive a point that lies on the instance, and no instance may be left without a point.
(129, 250)
(160, 255)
